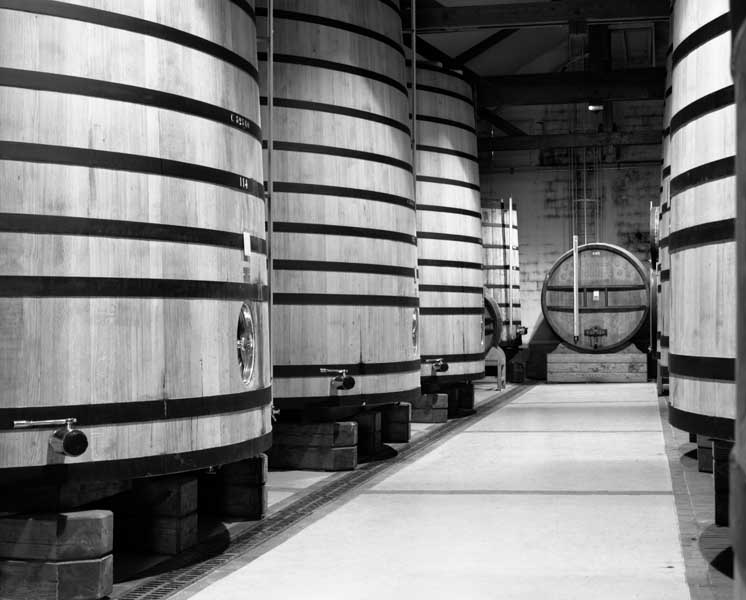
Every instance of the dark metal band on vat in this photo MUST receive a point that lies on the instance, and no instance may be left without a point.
(448, 152)
(114, 20)
(341, 267)
(428, 66)
(307, 61)
(701, 36)
(705, 234)
(712, 171)
(702, 367)
(130, 468)
(96, 88)
(145, 411)
(426, 235)
(289, 15)
(710, 426)
(352, 369)
(133, 230)
(448, 122)
(119, 161)
(459, 289)
(453, 310)
(12, 286)
(666, 171)
(458, 378)
(454, 358)
(602, 309)
(336, 110)
(340, 152)
(343, 230)
(452, 264)
(442, 92)
(341, 192)
(344, 300)
(302, 402)
(706, 104)
(449, 209)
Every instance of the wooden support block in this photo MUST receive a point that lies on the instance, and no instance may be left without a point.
(704, 454)
(68, 580)
(57, 537)
(315, 458)
(332, 434)
(567, 366)
(396, 423)
(430, 415)
(171, 496)
(693, 438)
(427, 401)
(172, 535)
(466, 396)
(721, 477)
(252, 471)
(369, 438)
(244, 501)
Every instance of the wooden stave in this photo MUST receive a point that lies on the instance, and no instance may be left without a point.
(702, 353)
(634, 324)
(738, 460)
(664, 261)
(497, 279)
(384, 133)
(38, 228)
(445, 112)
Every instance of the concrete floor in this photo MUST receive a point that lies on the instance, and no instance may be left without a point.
(565, 493)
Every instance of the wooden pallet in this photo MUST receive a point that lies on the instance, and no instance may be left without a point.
(568, 366)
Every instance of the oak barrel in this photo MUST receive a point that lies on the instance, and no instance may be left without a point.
(493, 323)
(449, 235)
(738, 457)
(344, 247)
(701, 240)
(613, 298)
(502, 277)
(663, 269)
(132, 237)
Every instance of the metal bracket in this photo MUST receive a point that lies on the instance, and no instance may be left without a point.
(437, 365)
(340, 381)
(68, 422)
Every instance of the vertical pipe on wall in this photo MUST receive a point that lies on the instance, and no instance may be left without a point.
(270, 143)
(575, 278)
(414, 102)
(509, 278)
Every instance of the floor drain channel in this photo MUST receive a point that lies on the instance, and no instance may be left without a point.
(166, 584)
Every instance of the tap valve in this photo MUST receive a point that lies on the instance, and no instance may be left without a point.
(65, 440)
(341, 380)
(437, 365)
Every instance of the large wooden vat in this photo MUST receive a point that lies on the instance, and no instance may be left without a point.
(613, 298)
(738, 461)
(502, 277)
(701, 239)
(664, 262)
(449, 236)
(344, 247)
(131, 237)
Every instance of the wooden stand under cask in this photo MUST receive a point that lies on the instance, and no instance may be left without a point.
(702, 231)
(612, 306)
(345, 306)
(502, 280)
(738, 458)
(133, 296)
(449, 236)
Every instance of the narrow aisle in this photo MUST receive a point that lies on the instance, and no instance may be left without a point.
(564, 494)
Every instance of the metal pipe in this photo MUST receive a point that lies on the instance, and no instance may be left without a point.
(575, 285)
(413, 25)
(510, 266)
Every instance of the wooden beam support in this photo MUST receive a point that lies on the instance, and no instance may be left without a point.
(494, 119)
(567, 140)
(482, 47)
(537, 14)
(573, 86)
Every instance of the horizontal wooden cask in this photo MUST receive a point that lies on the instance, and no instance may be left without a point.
(344, 247)
(132, 237)
(702, 230)
(449, 235)
(613, 298)
(502, 278)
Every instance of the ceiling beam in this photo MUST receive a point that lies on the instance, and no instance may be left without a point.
(573, 86)
(482, 47)
(537, 14)
(494, 119)
(569, 140)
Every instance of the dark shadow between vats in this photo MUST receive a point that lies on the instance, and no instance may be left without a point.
(385, 453)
